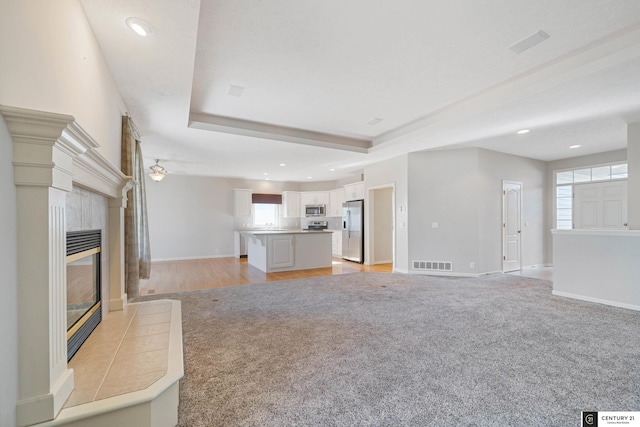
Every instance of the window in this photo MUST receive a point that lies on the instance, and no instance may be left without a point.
(265, 215)
(564, 188)
(564, 201)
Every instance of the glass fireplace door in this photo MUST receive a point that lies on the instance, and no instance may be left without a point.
(83, 287)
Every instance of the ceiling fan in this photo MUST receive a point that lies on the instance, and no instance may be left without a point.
(157, 172)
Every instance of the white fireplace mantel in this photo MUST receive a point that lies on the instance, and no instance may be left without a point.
(51, 153)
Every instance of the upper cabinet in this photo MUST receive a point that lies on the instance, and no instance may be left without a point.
(242, 203)
(336, 199)
(354, 191)
(315, 198)
(291, 204)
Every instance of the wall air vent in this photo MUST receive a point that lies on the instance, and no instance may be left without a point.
(433, 265)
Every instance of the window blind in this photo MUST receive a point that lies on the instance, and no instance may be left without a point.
(271, 199)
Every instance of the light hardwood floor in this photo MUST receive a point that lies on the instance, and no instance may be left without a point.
(191, 275)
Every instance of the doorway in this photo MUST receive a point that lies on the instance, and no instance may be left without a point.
(511, 226)
(381, 240)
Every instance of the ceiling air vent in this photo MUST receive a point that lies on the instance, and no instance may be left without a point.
(529, 41)
(433, 265)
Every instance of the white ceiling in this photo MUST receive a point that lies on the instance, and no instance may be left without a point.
(314, 73)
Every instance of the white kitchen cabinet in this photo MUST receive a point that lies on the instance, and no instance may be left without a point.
(336, 199)
(291, 202)
(336, 244)
(354, 191)
(315, 198)
(242, 203)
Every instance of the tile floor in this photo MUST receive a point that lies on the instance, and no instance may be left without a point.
(127, 352)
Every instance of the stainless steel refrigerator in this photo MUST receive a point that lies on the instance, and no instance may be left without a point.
(353, 231)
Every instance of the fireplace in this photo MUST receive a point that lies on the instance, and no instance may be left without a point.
(52, 153)
(83, 287)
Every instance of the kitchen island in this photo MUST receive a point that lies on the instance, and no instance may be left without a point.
(287, 250)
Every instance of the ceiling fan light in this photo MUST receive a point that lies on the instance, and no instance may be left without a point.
(157, 172)
(156, 176)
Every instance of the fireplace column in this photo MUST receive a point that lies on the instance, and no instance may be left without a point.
(117, 293)
(42, 173)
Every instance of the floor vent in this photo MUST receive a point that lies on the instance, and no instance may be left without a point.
(433, 265)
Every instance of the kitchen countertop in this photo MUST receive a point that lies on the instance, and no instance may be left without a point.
(260, 232)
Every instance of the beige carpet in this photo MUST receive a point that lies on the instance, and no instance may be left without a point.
(378, 349)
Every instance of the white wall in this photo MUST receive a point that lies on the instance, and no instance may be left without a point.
(50, 62)
(598, 265)
(192, 216)
(495, 167)
(443, 189)
(9, 281)
(633, 160)
(391, 172)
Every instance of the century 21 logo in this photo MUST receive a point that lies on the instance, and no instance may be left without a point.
(590, 419)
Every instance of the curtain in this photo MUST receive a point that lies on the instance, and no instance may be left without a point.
(137, 256)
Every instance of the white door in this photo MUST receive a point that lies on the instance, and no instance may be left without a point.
(600, 205)
(511, 229)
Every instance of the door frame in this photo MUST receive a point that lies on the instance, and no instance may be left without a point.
(369, 249)
(504, 219)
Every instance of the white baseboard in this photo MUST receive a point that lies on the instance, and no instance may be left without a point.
(401, 270)
(192, 257)
(596, 300)
(388, 261)
(444, 273)
(486, 273)
(537, 266)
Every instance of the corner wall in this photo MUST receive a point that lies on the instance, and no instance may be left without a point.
(456, 208)
(393, 171)
(494, 167)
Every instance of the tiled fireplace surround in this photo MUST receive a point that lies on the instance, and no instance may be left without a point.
(52, 156)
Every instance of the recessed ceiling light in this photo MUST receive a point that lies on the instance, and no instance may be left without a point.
(374, 121)
(575, 146)
(282, 164)
(332, 170)
(140, 26)
(266, 173)
(235, 90)
(266, 179)
(309, 177)
(523, 131)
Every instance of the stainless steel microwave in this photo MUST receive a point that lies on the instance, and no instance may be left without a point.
(315, 210)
